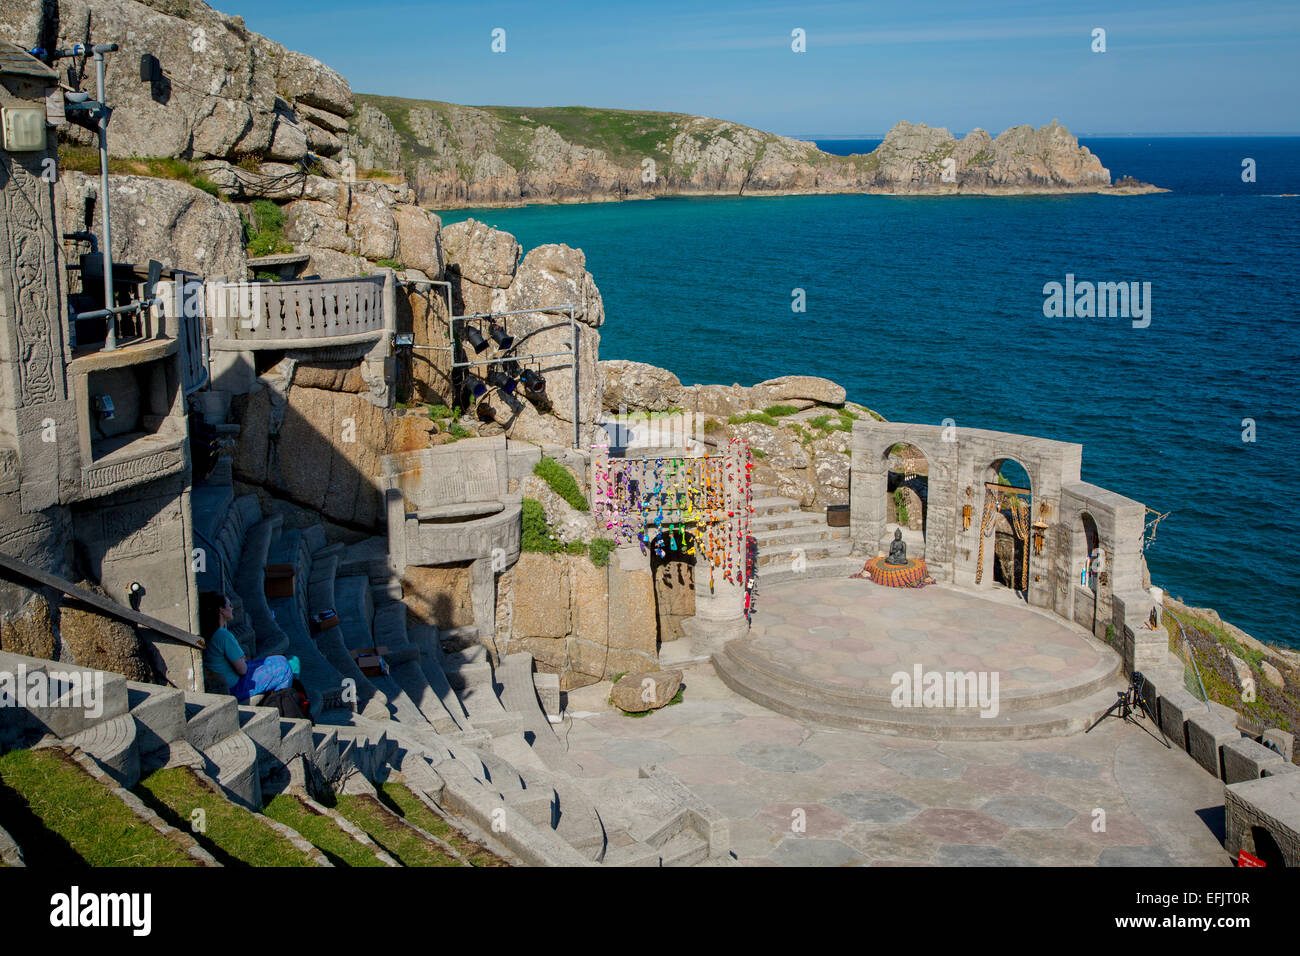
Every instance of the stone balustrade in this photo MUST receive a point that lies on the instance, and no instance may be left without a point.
(298, 312)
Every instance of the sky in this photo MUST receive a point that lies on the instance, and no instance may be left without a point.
(1168, 67)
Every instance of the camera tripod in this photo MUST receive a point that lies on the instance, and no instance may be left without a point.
(1128, 701)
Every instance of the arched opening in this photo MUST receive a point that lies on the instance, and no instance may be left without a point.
(1266, 848)
(672, 566)
(1005, 527)
(907, 496)
(1085, 556)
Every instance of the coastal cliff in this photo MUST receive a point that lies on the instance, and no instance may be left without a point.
(454, 156)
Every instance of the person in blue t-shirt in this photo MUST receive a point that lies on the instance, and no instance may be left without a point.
(224, 658)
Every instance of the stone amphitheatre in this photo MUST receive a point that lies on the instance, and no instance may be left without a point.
(544, 609)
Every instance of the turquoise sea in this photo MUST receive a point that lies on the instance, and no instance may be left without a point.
(932, 308)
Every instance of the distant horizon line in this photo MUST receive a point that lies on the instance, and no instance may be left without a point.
(1218, 134)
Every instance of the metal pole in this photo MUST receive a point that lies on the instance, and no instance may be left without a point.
(573, 333)
(106, 254)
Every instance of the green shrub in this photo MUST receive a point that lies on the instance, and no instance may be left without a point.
(600, 550)
(821, 422)
(778, 411)
(562, 482)
(711, 425)
(457, 430)
(575, 547)
(440, 411)
(265, 227)
(536, 534)
(900, 506)
(759, 453)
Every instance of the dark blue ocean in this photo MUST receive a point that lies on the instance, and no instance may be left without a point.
(932, 308)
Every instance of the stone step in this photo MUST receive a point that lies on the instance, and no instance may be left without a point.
(453, 639)
(113, 745)
(232, 763)
(518, 694)
(326, 753)
(778, 555)
(1068, 718)
(250, 582)
(209, 718)
(425, 638)
(261, 725)
(801, 534)
(687, 848)
(159, 714)
(786, 520)
(774, 504)
(816, 568)
(295, 739)
(68, 714)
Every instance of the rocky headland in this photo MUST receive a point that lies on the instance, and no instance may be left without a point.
(454, 156)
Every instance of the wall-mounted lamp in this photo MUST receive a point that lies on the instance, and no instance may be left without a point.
(475, 338)
(1040, 529)
(500, 337)
(965, 517)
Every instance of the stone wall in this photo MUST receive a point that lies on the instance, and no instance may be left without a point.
(960, 461)
(578, 621)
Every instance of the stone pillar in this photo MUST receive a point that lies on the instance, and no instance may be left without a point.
(483, 597)
(867, 480)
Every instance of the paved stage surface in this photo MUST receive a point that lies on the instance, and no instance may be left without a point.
(1115, 796)
(857, 634)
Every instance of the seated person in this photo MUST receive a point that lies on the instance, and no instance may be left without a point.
(224, 658)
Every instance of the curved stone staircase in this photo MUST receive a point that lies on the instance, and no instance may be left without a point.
(467, 736)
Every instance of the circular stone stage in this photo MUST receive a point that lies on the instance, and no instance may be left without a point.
(828, 651)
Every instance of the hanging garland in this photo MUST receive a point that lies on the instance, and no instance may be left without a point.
(698, 506)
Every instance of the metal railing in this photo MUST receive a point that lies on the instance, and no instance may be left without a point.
(13, 569)
(300, 309)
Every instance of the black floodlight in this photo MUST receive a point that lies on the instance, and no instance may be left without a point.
(500, 337)
(512, 368)
(475, 338)
(476, 388)
(534, 384)
(498, 379)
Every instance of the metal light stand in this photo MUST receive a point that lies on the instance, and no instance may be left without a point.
(479, 316)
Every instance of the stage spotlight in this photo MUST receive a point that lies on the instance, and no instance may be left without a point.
(500, 337)
(512, 368)
(533, 382)
(476, 388)
(475, 338)
(499, 379)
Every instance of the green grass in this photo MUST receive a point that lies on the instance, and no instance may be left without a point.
(400, 799)
(396, 264)
(457, 430)
(62, 817)
(759, 453)
(85, 159)
(386, 828)
(780, 411)
(322, 830)
(437, 412)
(763, 418)
(712, 425)
(561, 481)
(235, 836)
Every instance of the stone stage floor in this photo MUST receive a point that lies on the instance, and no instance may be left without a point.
(856, 634)
(1115, 796)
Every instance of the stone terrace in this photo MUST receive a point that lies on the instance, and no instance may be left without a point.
(876, 799)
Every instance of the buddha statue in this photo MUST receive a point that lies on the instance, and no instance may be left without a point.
(897, 549)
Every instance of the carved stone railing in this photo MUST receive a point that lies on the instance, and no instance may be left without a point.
(302, 310)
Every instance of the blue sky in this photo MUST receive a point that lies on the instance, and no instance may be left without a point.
(1229, 67)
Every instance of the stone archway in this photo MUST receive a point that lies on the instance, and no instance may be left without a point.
(1005, 530)
(907, 483)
